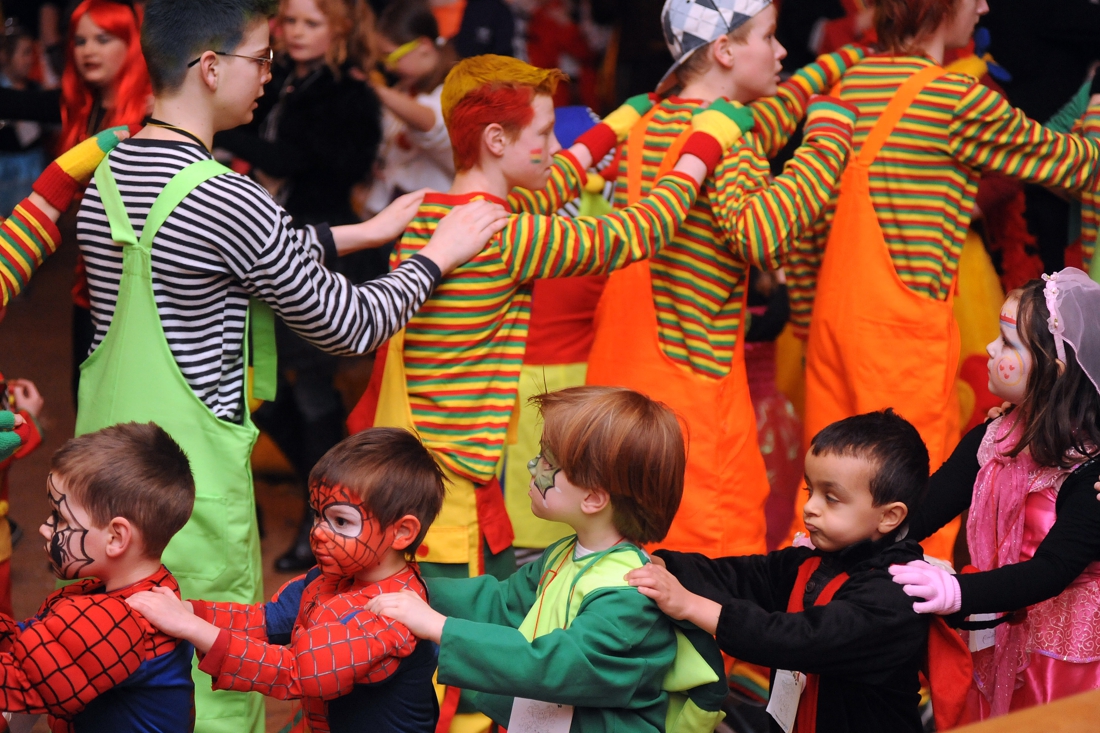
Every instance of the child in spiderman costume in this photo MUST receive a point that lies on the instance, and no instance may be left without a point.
(374, 496)
(87, 659)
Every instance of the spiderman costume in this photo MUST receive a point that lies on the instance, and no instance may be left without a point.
(95, 665)
(315, 640)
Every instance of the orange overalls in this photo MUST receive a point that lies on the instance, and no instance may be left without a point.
(873, 342)
(726, 483)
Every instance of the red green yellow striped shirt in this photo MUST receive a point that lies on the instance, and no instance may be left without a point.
(465, 347)
(741, 218)
(924, 180)
(27, 238)
(1090, 198)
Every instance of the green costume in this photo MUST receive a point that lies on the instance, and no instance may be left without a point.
(570, 630)
(132, 376)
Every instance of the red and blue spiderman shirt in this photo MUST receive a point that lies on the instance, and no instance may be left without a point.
(315, 640)
(94, 665)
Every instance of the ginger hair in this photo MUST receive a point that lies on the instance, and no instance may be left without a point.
(488, 89)
(620, 441)
(902, 25)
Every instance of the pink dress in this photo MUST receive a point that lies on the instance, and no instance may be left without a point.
(1055, 652)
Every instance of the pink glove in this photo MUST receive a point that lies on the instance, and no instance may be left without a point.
(939, 588)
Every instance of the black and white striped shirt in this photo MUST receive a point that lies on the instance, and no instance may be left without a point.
(227, 241)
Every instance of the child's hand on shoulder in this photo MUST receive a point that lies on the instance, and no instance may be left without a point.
(166, 611)
(654, 581)
(411, 610)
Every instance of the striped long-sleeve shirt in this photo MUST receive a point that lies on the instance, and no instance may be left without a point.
(228, 241)
(464, 348)
(925, 178)
(741, 218)
(27, 238)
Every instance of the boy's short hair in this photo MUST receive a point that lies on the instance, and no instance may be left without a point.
(892, 444)
(625, 443)
(391, 471)
(485, 89)
(132, 470)
(175, 32)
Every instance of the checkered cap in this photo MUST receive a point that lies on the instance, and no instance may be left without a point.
(691, 24)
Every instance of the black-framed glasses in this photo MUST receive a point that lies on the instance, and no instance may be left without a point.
(263, 61)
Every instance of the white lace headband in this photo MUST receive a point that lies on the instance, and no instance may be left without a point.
(1073, 300)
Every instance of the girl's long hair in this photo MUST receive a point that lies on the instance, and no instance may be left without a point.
(1060, 412)
(132, 85)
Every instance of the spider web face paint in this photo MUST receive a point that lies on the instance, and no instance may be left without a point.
(68, 558)
(346, 538)
(544, 472)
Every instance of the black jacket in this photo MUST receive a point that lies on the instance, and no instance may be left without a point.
(867, 644)
(326, 141)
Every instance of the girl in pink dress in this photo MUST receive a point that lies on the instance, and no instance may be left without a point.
(1034, 525)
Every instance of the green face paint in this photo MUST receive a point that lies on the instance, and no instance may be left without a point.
(543, 469)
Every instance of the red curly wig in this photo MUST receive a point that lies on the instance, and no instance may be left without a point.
(132, 85)
(902, 24)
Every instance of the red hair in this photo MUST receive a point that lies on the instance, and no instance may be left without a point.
(902, 24)
(485, 89)
(132, 85)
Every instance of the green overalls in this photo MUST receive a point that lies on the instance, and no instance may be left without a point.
(132, 376)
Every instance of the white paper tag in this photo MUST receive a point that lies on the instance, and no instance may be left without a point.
(982, 638)
(535, 716)
(783, 702)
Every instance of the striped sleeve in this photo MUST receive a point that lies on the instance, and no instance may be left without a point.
(27, 238)
(1090, 198)
(762, 220)
(803, 264)
(323, 307)
(778, 117)
(554, 246)
(990, 134)
(565, 184)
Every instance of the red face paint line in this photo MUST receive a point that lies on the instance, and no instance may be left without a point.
(537, 156)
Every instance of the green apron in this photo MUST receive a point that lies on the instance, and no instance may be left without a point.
(132, 376)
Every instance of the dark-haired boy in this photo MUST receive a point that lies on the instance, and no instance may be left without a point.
(374, 495)
(87, 659)
(171, 308)
(824, 617)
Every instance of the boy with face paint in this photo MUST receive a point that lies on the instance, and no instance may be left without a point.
(565, 638)
(87, 659)
(373, 496)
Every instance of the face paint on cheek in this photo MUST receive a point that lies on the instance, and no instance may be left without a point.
(1010, 368)
(543, 475)
(68, 558)
(538, 157)
(345, 547)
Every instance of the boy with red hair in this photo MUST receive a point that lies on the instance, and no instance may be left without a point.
(452, 374)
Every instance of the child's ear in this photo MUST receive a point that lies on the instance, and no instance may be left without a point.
(494, 139)
(893, 514)
(405, 531)
(722, 51)
(594, 501)
(121, 536)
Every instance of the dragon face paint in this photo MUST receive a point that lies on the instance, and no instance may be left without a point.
(1009, 359)
(346, 537)
(544, 471)
(66, 536)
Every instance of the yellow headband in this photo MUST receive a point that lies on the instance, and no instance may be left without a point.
(400, 52)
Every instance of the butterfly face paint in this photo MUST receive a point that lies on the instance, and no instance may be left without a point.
(1009, 360)
(66, 536)
(544, 471)
(346, 537)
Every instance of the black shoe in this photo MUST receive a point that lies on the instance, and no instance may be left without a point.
(16, 532)
(299, 556)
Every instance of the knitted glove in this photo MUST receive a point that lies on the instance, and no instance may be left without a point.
(61, 180)
(715, 129)
(9, 439)
(600, 139)
(830, 117)
(938, 587)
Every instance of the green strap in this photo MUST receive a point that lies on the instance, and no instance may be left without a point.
(1094, 266)
(260, 316)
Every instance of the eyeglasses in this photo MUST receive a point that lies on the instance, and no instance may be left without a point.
(399, 53)
(263, 61)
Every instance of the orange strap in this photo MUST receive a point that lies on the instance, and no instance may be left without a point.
(635, 155)
(890, 116)
(806, 719)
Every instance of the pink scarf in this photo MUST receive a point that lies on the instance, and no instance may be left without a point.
(994, 534)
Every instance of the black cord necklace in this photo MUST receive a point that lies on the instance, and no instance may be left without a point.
(178, 130)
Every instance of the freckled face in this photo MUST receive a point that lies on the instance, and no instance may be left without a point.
(1009, 359)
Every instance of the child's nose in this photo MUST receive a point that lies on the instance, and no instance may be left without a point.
(45, 531)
